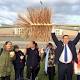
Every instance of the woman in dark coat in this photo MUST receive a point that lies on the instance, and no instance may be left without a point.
(19, 63)
(33, 61)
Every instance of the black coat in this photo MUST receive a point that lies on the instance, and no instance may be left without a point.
(33, 58)
(18, 63)
(60, 47)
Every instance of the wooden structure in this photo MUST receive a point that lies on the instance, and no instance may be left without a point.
(35, 23)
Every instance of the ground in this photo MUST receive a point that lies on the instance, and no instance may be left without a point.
(41, 75)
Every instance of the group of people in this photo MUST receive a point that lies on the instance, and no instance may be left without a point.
(11, 56)
(64, 55)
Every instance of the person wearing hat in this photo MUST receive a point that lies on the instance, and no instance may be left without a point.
(49, 55)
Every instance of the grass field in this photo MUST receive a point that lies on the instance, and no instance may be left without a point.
(41, 75)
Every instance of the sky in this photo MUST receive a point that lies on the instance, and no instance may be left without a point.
(63, 11)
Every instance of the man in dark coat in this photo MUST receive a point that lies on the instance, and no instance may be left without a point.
(65, 55)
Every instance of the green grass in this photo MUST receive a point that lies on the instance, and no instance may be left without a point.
(41, 75)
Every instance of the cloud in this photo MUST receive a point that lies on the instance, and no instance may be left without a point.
(64, 1)
(66, 19)
(71, 1)
(65, 11)
(6, 21)
(7, 17)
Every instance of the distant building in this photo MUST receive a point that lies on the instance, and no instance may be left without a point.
(10, 30)
(66, 29)
(60, 30)
(12, 33)
(18, 31)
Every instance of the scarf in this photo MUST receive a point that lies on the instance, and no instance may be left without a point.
(46, 59)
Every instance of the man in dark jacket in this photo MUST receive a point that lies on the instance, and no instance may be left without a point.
(65, 55)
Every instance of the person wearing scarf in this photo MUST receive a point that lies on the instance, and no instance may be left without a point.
(49, 61)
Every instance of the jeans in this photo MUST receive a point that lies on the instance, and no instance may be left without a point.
(51, 73)
(32, 73)
(19, 74)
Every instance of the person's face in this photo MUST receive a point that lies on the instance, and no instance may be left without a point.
(8, 47)
(50, 46)
(17, 49)
(65, 39)
(32, 45)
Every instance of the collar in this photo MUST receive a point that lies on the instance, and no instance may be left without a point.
(33, 48)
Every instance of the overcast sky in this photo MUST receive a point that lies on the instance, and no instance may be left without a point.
(64, 11)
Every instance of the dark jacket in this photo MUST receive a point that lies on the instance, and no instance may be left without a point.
(33, 58)
(18, 63)
(60, 47)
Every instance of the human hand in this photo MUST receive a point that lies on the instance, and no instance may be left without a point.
(21, 57)
(53, 30)
(12, 54)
